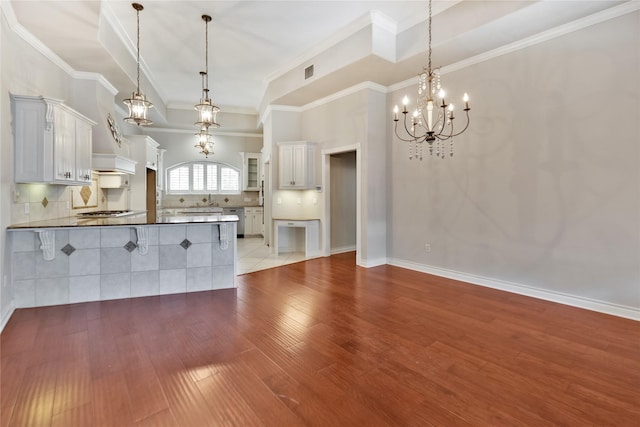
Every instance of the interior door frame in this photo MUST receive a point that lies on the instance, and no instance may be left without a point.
(326, 185)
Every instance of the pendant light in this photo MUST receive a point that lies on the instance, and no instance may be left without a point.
(206, 110)
(138, 104)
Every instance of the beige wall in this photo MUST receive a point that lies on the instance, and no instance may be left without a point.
(24, 72)
(543, 190)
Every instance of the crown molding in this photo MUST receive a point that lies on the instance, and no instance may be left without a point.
(346, 92)
(578, 24)
(213, 132)
(110, 18)
(34, 42)
(223, 109)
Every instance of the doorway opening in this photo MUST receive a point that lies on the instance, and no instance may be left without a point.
(343, 197)
(342, 204)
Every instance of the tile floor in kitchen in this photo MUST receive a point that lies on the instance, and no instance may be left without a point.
(254, 255)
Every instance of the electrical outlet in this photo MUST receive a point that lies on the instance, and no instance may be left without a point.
(26, 208)
(299, 201)
(315, 201)
(279, 201)
(427, 247)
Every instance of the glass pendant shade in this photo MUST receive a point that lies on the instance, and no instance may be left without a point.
(205, 142)
(206, 111)
(138, 109)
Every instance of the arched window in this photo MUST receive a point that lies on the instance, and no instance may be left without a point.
(203, 178)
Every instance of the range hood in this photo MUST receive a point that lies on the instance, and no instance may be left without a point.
(112, 163)
(110, 149)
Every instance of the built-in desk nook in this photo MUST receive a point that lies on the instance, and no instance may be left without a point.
(297, 234)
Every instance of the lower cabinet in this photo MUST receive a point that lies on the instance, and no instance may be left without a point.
(253, 224)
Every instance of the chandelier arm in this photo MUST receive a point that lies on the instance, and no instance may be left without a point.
(413, 138)
(465, 128)
(406, 129)
(443, 136)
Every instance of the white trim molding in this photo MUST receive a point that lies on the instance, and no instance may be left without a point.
(369, 263)
(345, 92)
(530, 291)
(342, 250)
(33, 41)
(579, 24)
(6, 316)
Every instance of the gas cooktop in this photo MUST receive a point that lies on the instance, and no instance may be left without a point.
(106, 214)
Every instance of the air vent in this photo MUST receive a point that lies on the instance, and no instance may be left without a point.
(308, 72)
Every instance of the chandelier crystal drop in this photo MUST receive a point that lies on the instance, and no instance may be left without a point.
(206, 110)
(431, 122)
(138, 104)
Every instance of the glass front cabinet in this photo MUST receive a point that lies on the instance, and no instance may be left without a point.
(251, 181)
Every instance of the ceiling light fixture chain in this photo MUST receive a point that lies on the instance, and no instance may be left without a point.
(138, 104)
(423, 126)
(206, 110)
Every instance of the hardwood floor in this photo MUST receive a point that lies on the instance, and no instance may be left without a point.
(321, 343)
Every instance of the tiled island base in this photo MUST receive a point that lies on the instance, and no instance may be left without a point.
(103, 263)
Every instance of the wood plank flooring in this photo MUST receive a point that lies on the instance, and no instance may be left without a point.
(321, 343)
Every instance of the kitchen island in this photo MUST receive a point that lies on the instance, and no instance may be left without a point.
(71, 260)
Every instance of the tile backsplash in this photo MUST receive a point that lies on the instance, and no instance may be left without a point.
(38, 202)
(246, 198)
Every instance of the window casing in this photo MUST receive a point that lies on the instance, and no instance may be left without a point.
(203, 178)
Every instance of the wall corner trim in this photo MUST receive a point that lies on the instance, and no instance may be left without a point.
(6, 316)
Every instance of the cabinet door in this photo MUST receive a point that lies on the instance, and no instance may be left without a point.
(63, 146)
(299, 168)
(83, 151)
(248, 223)
(257, 226)
(152, 156)
(286, 167)
(31, 163)
(252, 168)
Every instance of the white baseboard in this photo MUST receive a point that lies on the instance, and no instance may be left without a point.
(343, 249)
(559, 297)
(368, 263)
(6, 316)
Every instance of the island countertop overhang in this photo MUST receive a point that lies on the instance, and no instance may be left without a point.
(127, 221)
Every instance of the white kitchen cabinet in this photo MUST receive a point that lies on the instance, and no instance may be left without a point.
(251, 165)
(296, 165)
(52, 142)
(160, 171)
(253, 221)
(152, 154)
(144, 195)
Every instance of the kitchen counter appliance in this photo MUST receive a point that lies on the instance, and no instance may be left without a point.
(106, 214)
(239, 212)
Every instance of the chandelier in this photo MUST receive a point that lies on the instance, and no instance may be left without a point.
(430, 122)
(138, 104)
(206, 110)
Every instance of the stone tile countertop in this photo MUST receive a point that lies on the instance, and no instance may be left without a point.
(140, 219)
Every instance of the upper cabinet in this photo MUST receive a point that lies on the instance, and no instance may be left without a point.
(251, 166)
(52, 142)
(296, 165)
(144, 150)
